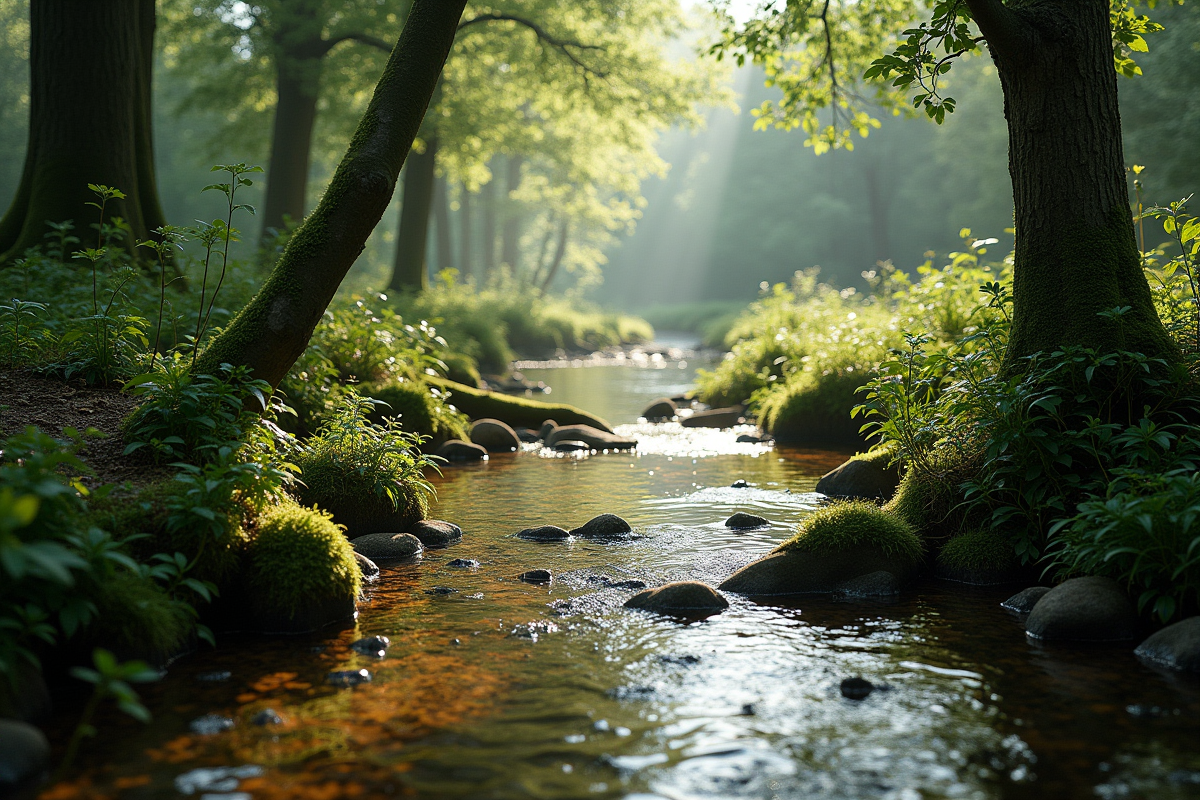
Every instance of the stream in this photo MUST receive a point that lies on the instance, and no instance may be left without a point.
(494, 688)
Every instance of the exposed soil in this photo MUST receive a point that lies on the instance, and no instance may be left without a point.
(53, 405)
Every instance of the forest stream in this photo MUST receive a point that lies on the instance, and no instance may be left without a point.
(496, 688)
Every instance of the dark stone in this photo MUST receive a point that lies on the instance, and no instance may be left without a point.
(594, 438)
(787, 572)
(743, 521)
(348, 677)
(571, 446)
(631, 584)
(464, 563)
(210, 725)
(683, 661)
(536, 576)
(24, 696)
(458, 450)
(749, 438)
(441, 590)
(546, 533)
(1175, 646)
(716, 418)
(219, 676)
(547, 428)
(387, 546)
(874, 584)
(860, 480)
(320, 612)
(372, 646)
(495, 436)
(434, 533)
(1023, 601)
(528, 436)
(661, 410)
(602, 527)
(368, 568)
(268, 716)
(24, 755)
(740, 483)
(1092, 609)
(683, 598)
(856, 688)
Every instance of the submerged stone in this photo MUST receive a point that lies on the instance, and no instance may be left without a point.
(743, 521)
(372, 646)
(435, 533)
(874, 584)
(348, 677)
(682, 598)
(210, 725)
(1023, 601)
(1092, 609)
(1175, 646)
(740, 483)
(387, 546)
(536, 576)
(368, 568)
(594, 438)
(268, 716)
(545, 533)
(464, 563)
(601, 527)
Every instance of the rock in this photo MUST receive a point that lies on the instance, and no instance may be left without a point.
(24, 755)
(743, 521)
(368, 568)
(387, 546)
(860, 480)
(372, 646)
(716, 418)
(458, 450)
(571, 446)
(217, 676)
(1175, 646)
(443, 590)
(536, 576)
(528, 436)
(661, 410)
(1092, 609)
(210, 725)
(464, 563)
(592, 437)
(787, 572)
(547, 428)
(1023, 601)
(348, 677)
(495, 436)
(683, 597)
(602, 527)
(216, 782)
(268, 716)
(24, 696)
(749, 438)
(856, 688)
(546, 533)
(435, 533)
(875, 584)
(740, 483)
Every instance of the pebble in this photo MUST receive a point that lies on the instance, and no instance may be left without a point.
(267, 716)
(372, 646)
(214, 779)
(348, 677)
(856, 688)
(740, 483)
(536, 576)
(210, 725)
(441, 590)
(744, 521)
(465, 563)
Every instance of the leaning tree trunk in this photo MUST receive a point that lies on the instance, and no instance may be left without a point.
(271, 332)
(409, 272)
(89, 122)
(1075, 254)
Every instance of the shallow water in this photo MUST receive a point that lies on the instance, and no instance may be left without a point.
(502, 689)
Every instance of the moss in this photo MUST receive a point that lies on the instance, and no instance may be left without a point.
(419, 410)
(930, 499)
(461, 368)
(135, 616)
(519, 412)
(353, 496)
(844, 526)
(979, 551)
(298, 558)
(813, 410)
(880, 456)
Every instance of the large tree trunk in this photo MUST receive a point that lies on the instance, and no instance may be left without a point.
(510, 233)
(90, 67)
(271, 332)
(409, 272)
(441, 217)
(1076, 254)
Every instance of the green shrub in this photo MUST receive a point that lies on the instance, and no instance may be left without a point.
(811, 409)
(979, 551)
(136, 616)
(420, 408)
(370, 477)
(847, 525)
(299, 557)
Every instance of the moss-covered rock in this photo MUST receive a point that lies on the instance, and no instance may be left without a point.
(519, 412)
(980, 557)
(866, 476)
(814, 410)
(300, 571)
(931, 499)
(422, 408)
(836, 544)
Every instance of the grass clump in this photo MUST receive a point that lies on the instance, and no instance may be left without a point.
(848, 525)
(299, 558)
(979, 551)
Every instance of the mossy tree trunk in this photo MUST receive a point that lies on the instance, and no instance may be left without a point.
(409, 271)
(1076, 255)
(90, 121)
(271, 332)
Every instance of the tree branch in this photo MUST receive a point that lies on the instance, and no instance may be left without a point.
(361, 38)
(562, 45)
(1003, 30)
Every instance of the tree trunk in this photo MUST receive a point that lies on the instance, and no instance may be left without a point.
(90, 68)
(488, 235)
(1075, 255)
(441, 218)
(510, 234)
(409, 272)
(271, 332)
(559, 252)
(464, 219)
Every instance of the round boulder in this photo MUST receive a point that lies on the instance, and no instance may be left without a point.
(604, 526)
(716, 418)
(495, 436)
(1023, 601)
(661, 410)
(873, 584)
(685, 598)
(458, 450)
(24, 755)
(860, 480)
(387, 546)
(434, 533)
(536, 576)
(1175, 646)
(545, 533)
(594, 438)
(743, 521)
(547, 428)
(1092, 609)
(369, 569)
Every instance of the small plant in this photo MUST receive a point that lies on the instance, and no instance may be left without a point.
(15, 312)
(223, 230)
(169, 238)
(109, 679)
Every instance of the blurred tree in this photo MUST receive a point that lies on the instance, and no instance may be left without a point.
(89, 120)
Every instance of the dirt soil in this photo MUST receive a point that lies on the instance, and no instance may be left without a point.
(54, 405)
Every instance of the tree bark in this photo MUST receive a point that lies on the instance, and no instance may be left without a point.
(1075, 253)
(488, 233)
(90, 69)
(441, 218)
(409, 272)
(271, 332)
(510, 233)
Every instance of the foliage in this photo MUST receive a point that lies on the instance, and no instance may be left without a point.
(846, 525)
(978, 551)
(420, 408)
(364, 344)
